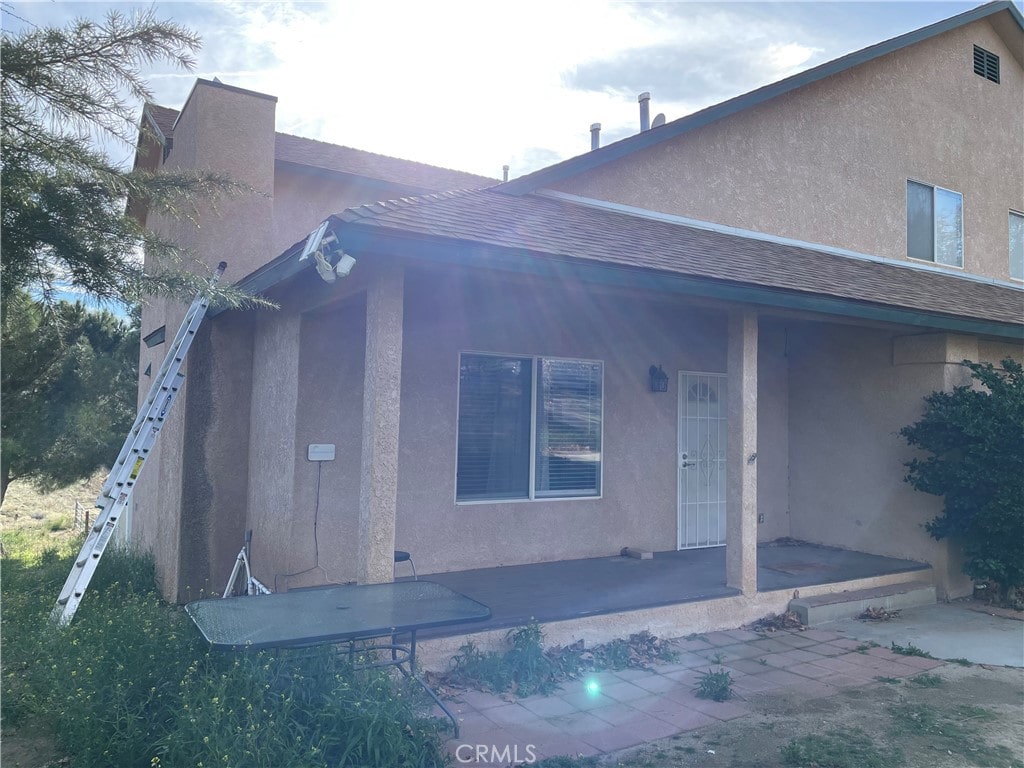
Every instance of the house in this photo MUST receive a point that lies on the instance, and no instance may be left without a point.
(705, 336)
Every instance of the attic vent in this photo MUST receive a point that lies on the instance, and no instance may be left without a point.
(986, 64)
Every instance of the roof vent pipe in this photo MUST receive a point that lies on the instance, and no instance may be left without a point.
(504, 173)
(645, 110)
(595, 136)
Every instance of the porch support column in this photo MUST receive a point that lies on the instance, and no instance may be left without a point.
(741, 453)
(382, 386)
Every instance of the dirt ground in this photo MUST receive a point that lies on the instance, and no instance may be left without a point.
(973, 717)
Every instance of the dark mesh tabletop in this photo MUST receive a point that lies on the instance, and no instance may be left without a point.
(331, 614)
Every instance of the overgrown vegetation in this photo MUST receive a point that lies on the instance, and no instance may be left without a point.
(527, 667)
(130, 683)
(975, 461)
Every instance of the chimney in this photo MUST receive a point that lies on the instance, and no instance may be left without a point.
(504, 173)
(595, 136)
(645, 110)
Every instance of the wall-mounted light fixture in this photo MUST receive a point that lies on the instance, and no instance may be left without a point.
(659, 379)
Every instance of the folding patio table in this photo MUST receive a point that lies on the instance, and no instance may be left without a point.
(342, 614)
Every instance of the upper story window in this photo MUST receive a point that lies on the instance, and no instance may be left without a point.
(935, 224)
(156, 337)
(1016, 245)
(529, 428)
(986, 64)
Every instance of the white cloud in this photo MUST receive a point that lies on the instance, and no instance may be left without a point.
(475, 85)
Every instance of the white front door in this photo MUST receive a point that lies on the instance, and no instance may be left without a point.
(701, 460)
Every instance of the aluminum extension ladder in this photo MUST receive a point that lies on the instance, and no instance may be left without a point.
(118, 487)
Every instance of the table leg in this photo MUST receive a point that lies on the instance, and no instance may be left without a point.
(424, 686)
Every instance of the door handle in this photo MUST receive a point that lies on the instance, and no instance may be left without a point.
(686, 464)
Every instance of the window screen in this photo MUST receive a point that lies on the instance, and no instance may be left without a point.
(920, 218)
(528, 428)
(935, 224)
(568, 428)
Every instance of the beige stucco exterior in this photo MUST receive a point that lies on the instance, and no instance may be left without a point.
(830, 400)
(829, 162)
(370, 364)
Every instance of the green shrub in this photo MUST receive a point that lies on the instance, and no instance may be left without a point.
(130, 683)
(975, 462)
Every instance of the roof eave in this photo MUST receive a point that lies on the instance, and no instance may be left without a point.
(357, 239)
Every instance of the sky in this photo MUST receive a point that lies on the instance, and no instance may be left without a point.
(478, 85)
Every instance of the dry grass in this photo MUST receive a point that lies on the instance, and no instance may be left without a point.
(26, 511)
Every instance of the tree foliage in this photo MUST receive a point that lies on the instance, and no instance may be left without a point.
(68, 379)
(68, 383)
(62, 202)
(974, 441)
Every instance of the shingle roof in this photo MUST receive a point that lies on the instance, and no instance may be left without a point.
(333, 157)
(559, 229)
(551, 174)
(163, 117)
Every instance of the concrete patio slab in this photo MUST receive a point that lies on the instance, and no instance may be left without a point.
(947, 631)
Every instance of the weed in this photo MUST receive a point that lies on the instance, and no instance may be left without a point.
(612, 655)
(889, 680)
(961, 661)
(923, 719)
(130, 683)
(716, 685)
(717, 658)
(763, 662)
(926, 680)
(865, 647)
(695, 636)
(841, 748)
(526, 668)
(523, 669)
(910, 650)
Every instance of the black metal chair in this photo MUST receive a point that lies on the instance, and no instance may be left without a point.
(401, 556)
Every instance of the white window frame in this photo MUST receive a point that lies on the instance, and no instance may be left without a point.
(935, 188)
(1009, 224)
(532, 486)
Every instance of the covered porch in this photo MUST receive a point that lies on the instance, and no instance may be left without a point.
(573, 589)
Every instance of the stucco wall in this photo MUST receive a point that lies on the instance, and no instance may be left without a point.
(330, 411)
(232, 132)
(772, 431)
(851, 391)
(497, 313)
(298, 543)
(829, 163)
(304, 197)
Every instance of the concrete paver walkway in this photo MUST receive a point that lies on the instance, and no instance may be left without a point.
(615, 710)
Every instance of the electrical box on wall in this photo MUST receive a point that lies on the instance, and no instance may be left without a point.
(321, 452)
